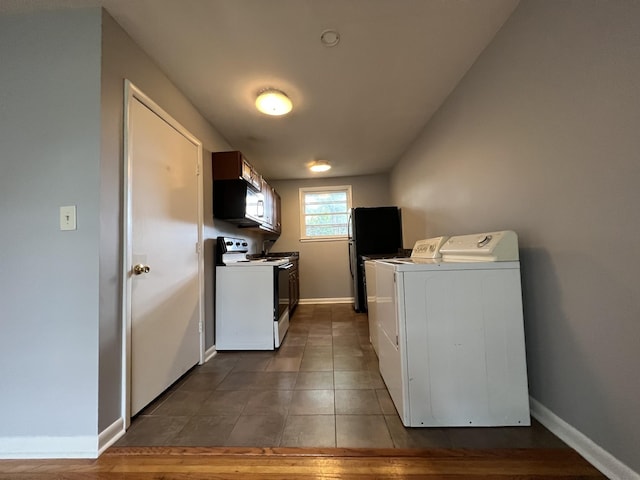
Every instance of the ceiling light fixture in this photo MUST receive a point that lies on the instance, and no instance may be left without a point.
(320, 166)
(273, 102)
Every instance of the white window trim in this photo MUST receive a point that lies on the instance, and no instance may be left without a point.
(328, 188)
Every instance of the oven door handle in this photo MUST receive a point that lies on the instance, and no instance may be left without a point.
(286, 266)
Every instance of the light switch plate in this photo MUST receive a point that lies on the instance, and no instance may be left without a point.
(68, 217)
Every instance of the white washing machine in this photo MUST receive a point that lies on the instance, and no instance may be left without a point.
(451, 339)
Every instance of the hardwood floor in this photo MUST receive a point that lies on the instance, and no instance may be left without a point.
(197, 463)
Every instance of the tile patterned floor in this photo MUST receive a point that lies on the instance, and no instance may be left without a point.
(320, 389)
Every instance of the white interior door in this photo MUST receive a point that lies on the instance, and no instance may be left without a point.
(165, 301)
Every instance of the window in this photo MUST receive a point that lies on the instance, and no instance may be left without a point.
(324, 212)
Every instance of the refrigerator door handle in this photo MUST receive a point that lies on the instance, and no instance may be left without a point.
(350, 262)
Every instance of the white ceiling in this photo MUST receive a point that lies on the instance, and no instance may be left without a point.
(358, 105)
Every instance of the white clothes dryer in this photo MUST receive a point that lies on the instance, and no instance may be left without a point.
(451, 339)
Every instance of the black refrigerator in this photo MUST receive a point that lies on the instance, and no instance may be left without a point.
(375, 231)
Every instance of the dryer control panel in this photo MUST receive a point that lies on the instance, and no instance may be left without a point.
(499, 246)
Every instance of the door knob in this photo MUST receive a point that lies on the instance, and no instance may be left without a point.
(139, 269)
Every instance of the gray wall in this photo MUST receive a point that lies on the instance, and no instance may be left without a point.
(61, 138)
(122, 58)
(541, 137)
(49, 156)
(324, 266)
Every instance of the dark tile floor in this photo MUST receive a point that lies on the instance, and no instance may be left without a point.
(320, 389)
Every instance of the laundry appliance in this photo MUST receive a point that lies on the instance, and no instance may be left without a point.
(423, 249)
(451, 334)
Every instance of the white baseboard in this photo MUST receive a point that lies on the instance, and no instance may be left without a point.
(593, 453)
(110, 435)
(81, 446)
(210, 353)
(311, 301)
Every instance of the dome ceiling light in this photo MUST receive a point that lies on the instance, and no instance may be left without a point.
(320, 166)
(273, 102)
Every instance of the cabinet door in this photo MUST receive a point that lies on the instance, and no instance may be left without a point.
(272, 207)
(233, 166)
(247, 171)
(227, 165)
(267, 191)
(277, 215)
(255, 178)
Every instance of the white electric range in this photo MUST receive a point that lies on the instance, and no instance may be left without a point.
(252, 298)
(451, 335)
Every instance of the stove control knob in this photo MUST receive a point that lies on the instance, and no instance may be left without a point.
(229, 242)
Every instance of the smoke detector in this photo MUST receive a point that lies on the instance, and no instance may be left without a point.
(330, 38)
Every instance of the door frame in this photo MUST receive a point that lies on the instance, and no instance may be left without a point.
(131, 94)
